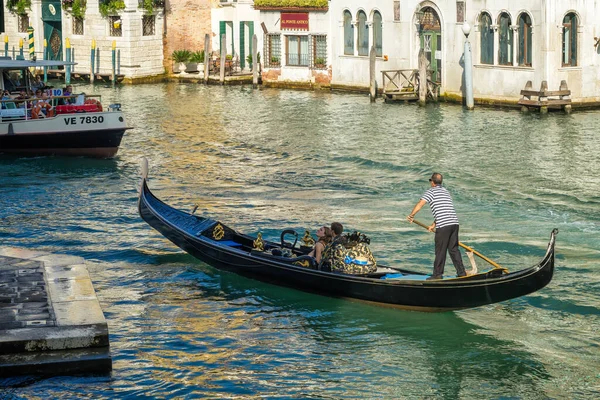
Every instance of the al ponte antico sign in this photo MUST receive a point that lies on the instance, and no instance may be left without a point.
(295, 21)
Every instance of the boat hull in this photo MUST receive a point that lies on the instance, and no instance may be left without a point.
(422, 295)
(68, 135)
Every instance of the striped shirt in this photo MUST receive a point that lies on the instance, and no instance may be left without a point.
(442, 208)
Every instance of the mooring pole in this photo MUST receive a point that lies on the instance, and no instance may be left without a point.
(254, 61)
(5, 45)
(422, 78)
(92, 60)
(372, 78)
(69, 59)
(31, 42)
(223, 54)
(114, 62)
(21, 48)
(468, 60)
(206, 57)
(43, 58)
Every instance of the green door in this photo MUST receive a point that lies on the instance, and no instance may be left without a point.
(431, 43)
(51, 17)
(430, 34)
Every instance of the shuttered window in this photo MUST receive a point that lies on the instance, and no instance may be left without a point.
(363, 34)
(348, 34)
(487, 39)
(378, 33)
(569, 41)
(505, 52)
(525, 39)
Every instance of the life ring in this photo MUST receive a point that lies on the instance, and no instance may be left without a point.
(36, 111)
(94, 101)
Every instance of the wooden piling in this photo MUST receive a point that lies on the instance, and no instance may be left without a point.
(372, 79)
(543, 98)
(423, 63)
(526, 97)
(92, 60)
(206, 57)
(564, 87)
(222, 63)
(254, 61)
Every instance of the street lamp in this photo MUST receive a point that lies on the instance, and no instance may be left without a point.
(466, 28)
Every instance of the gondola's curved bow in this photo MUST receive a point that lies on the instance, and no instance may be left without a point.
(222, 247)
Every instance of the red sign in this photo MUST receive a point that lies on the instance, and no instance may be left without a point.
(296, 21)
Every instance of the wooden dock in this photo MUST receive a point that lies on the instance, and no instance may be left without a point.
(403, 85)
(544, 99)
(83, 76)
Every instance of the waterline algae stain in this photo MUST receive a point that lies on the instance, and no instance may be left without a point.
(269, 160)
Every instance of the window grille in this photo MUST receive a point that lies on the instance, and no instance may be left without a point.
(487, 39)
(525, 39)
(505, 52)
(148, 22)
(23, 22)
(272, 50)
(77, 26)
(115, 25)
(569, 41)
(318, 51)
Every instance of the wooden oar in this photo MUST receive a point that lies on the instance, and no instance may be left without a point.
(478, 254)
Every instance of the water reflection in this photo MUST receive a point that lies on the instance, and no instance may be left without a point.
(266, 160)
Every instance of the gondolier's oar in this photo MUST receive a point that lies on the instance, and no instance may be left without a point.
(478, 254)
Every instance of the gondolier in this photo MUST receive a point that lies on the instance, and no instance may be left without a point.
(445, 225)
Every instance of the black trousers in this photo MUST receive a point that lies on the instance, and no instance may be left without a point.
(446, 240)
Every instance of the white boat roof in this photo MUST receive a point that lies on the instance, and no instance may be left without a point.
(6, 63)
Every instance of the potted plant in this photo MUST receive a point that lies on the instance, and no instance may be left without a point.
(150, 5)
(319, 62)
(274, 61)
(249, 59)
(75, 7)
(180, 57)
(111, 7)
(19, 7)
(195, 58)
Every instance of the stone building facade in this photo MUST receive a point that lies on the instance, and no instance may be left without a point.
(136, 29)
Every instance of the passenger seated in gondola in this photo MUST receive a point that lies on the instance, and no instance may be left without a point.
(324, 237)
(349, 254)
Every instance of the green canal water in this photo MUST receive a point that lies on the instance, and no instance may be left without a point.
(266, 160)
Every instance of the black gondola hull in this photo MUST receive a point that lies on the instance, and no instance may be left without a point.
(442, 295)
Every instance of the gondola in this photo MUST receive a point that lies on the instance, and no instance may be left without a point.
(216, 244)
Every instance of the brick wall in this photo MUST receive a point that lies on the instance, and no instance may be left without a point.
(187, 21)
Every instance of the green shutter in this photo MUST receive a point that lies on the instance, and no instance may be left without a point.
(222, 31)
(251, 35)
(242, 46)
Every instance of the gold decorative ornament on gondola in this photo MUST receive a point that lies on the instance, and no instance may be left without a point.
(307, 239)
(259, 243)
(302, 263)
(218, 232)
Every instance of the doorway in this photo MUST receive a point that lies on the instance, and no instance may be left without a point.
(51, 18)
(430, 36)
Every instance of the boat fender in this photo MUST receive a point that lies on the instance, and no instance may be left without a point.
(94, 101)
(37, 110)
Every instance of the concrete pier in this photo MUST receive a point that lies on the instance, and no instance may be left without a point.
(50, 319)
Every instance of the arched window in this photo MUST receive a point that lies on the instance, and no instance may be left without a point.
(348, 34)
(505, 52)
(487, 39)
(569, 41)
(525, 38)
(377, 34)
(363, 34)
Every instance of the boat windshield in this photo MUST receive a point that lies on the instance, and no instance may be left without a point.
(14, 79)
